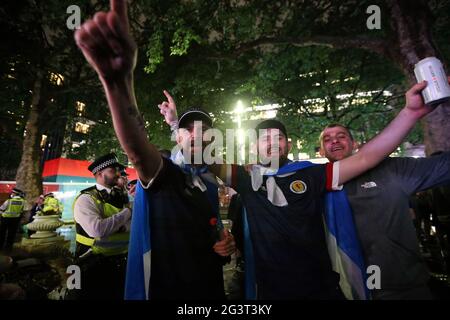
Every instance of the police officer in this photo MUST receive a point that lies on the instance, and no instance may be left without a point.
(10, 212)
(52, 206)
(101, 233)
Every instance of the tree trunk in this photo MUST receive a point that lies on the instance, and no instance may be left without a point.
(29, 173)
(411, 41)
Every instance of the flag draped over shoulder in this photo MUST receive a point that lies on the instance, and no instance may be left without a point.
(139, 251)
(342, 241)
(137, 284)
(343, 246)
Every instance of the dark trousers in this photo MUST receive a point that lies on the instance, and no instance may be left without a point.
(102, 278)
(8, 230)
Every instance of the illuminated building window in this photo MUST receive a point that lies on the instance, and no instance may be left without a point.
(43, 140)
(80, 107)
(81, 127)
(56, 79)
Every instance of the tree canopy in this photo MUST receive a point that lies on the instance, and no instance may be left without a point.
(316, 59)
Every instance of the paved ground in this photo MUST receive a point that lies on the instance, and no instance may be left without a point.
(40, 272)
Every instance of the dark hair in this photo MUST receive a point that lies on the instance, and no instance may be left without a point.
(334, 125)
(271, 124)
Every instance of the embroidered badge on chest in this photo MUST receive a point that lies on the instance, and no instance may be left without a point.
(298, 187)
(369, 185)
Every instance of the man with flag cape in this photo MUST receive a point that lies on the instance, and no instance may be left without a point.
(343, 244)
(181, 238)
(381, 201)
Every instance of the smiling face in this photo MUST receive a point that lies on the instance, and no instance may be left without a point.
(273, 144)
(336, 143)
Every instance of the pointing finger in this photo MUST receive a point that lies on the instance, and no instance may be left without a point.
(120, 7)
(168, 96)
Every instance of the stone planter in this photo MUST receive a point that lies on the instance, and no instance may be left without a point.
(44, 226)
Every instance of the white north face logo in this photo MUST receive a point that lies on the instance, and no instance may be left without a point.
(369, 185)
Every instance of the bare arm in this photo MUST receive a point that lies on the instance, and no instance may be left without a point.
(388, 140)
(109, 48)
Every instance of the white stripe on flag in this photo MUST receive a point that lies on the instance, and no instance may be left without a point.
(335, 179)
(350, 276)
(147, 260)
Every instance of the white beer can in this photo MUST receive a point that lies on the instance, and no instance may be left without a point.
(437, 90)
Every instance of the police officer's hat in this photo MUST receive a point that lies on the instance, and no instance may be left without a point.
(50, 194)
(106, 161)
(18, 192)
(194, 114)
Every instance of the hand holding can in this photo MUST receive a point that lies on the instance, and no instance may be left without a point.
(437, 90)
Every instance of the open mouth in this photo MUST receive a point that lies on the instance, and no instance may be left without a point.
(337, 148)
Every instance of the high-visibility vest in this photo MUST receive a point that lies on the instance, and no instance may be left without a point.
(115, 244)
(14, 208)
(52, 205)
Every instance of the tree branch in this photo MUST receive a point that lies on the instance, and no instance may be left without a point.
(363, 42)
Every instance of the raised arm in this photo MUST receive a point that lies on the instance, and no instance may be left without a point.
(107, 45)
(388, 140)
(169, 110)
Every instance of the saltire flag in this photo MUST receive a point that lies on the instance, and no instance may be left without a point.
(137, 284)
(343, 246)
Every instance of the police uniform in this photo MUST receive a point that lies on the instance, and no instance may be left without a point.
(102, 234)
(52, 206)
(10, 213)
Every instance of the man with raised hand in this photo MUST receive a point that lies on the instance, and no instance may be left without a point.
(284, 208)
(175, 203)
(380, 202)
